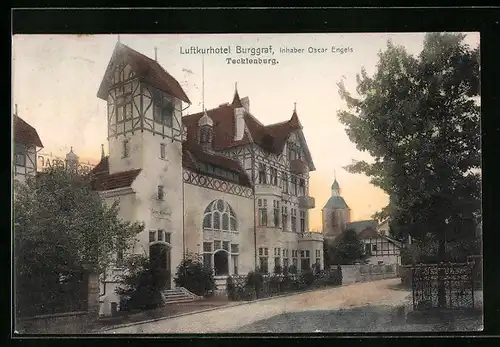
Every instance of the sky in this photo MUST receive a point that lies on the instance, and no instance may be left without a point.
(56, 77)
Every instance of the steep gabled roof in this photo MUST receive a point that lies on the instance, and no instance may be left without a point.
(271, 138)
(102, 180)
(25, 133)
(147, 69)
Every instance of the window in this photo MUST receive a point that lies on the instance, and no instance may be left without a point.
(262, 174)
(284, 217)
(284, 181)
(294, 220)
(294, 185)
(318, 253)
(368, 249)
(160, 235)
(276, 206)
(20, 155)
(274, 176)
(302, 221)
(162, 151)
(217, 245)
(277, 262)
(219, 214)
(124, 102)
(207, 246)
(225, 245)
(263, 265)
(302, 187)
(167, 237)
(285, 262)
(374, 247)
(152, 236)
(161, 193)
(261, 251)
(294, 258)
(318, 261)
(305, 261)
(125, 149)
(262, 204)
(234, 260)
(163, 110)
(234, 248)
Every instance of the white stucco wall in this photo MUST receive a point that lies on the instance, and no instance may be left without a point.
(390, 255)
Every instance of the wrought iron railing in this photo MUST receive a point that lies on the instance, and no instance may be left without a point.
(445, 285)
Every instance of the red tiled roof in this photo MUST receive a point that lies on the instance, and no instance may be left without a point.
(271, 137)
(368, 233)
(102, 180)
(193, 153)
(25, 133)
(149, 71)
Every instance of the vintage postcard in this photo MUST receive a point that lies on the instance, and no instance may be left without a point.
(246, 183)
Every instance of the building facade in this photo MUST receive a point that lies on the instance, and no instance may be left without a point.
(217, 183)
(26, 145)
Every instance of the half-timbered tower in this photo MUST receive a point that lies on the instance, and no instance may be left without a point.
(26, 143)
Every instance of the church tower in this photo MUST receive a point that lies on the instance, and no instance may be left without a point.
(335, 214)
(144, 110)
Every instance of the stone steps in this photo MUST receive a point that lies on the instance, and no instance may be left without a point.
(178, 295)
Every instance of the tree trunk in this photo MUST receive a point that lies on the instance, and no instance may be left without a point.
(441, 273)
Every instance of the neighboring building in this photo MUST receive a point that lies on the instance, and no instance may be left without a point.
(380, 249)
(218, 183)
(383, 228)
(336, 214)
(26, 144)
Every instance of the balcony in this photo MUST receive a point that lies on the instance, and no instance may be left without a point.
(298, 166)
(310, 236)
(307, 202)
(267, 189)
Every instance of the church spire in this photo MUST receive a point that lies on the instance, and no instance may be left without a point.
(335, 186)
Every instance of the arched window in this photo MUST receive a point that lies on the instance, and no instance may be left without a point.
(220, 215)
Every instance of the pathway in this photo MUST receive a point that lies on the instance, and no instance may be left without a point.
(232, 319)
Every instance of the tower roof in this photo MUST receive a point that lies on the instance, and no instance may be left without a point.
(147, 69)
(236, 99)
(205, 120)
(335, 185)
(336, 202)
(71, 156)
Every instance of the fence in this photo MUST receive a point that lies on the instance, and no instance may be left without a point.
(365, 273)
(449, 286)
(255, 285)
(72, 313)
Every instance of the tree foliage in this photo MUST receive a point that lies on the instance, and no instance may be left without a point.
(60, 223)
(347, 248)
(418, 117)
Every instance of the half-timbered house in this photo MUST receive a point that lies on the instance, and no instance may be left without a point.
(218, 183)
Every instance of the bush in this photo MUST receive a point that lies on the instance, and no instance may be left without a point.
(255, 280)
(194, 276)
(141, 284)
(307, 278)
(292, 269)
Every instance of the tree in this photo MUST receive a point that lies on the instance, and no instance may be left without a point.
(418, 117)
(347, 248)
(61, 224)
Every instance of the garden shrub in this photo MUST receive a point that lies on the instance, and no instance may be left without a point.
(194, 276)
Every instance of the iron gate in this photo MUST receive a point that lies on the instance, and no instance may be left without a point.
(456, 281)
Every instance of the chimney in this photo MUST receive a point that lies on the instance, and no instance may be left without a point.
(246, 104)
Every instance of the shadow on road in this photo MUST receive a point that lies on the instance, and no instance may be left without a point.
(359, 319)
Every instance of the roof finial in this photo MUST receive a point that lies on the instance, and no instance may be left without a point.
(16, 109)
(294, 107)
(156, 54)
(102, 151)
(118, 37)
(335, 174)
(236, 87)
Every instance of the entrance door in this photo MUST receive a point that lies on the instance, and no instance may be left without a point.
(221, 264)
(159, 254)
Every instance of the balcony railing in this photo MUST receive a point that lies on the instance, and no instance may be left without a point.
(298, 166)
(311, 236)
(307, 202)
